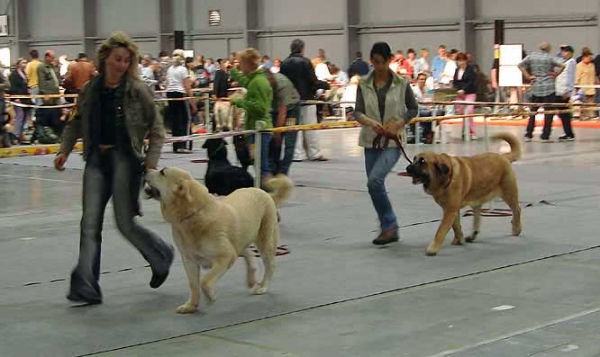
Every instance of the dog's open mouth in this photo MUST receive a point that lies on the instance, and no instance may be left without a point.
(151, 192)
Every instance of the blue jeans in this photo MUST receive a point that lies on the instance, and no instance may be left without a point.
(379, 164)
(265, 167)
(117, 174)
(277, 164)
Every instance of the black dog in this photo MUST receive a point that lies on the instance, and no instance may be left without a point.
(222, 178)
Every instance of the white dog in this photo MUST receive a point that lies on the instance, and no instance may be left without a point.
(211, 233)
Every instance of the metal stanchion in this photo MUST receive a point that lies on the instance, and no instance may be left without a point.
(260, 125)
(486, 136)
(207, 122)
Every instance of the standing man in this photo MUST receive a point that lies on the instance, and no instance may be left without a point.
(565, 86)
(48, 80)
(285, 111)
(541, 69)
(301, 73)
(31, 74)
(358, 67)
(78, 74)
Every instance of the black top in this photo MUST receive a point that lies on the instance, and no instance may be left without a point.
(359, 67)
(18, 84)
(112, 128)
(301, 73)
(468, 81)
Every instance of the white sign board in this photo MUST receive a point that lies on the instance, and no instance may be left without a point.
(510, 76)
(3, 25)
(509, 72)
(511, 55)
(188, 53)
(5, 57)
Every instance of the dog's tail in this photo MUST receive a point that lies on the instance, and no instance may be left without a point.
(280, 188)
(515, 145)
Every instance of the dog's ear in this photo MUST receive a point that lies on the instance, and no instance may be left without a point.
(183, 189)
(443, 171)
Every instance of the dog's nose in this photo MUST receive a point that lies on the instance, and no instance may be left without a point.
(409, 169)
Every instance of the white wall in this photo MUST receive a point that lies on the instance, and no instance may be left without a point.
(378, 11)
(58, 24)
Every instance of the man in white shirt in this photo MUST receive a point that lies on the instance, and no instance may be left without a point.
(565, 86)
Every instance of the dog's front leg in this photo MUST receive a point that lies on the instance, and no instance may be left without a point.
(476, 224)
(440, 235)
(458, 233)
(222, 262)
(192, 270)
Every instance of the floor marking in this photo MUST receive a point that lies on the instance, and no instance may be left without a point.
(27, 238)
(569, 348)
(38, 178)
(516, 333)
(503, 308)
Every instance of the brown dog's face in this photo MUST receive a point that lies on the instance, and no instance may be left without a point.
(432, 170)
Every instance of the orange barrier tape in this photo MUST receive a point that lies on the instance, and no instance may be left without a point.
(34, 150)
(321, 126)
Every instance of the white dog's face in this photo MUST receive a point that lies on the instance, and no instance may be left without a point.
(163, 184)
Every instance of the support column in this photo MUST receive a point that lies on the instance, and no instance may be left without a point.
(90, 27)
(165, 26)
(251, 37)
(467, 27)
(20, 19)
(351, 40)
(189, 24)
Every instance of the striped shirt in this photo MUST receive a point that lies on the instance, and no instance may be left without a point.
(540, 65)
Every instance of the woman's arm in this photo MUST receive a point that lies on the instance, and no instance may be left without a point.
(156, 129)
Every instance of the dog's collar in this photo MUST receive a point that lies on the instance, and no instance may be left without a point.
(189, 216)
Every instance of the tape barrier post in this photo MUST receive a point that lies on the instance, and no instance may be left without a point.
(486, 135)
(260, 125)
(417, 132)
(207, 122)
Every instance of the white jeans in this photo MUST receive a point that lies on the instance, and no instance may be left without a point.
(308, 115)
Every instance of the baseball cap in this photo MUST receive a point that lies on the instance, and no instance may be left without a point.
(567, 48)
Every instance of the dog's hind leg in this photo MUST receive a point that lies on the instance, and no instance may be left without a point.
(458, 233)
(476, 224)
(250, 267)
(223, 262)
(268, 237)
(510, 195)
(442, 231)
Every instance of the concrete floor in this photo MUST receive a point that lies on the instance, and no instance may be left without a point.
(335, 294)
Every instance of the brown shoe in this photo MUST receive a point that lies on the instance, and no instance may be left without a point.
(387, 237)
(320, 158)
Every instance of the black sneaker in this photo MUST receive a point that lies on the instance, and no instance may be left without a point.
(383, 240)
(566, 138)
(85, 296)
(528, 137)
(159, 276)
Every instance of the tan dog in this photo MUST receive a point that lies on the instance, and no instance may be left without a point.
(456, 182)
(228, 116)
(212, 233)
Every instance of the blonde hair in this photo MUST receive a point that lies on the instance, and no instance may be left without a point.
(249, 55)
(178, 57)
(119, 40)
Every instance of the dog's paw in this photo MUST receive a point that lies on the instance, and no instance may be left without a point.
(516, 231)
(457, 241)
(260, 290)
(187, 308)
(431, 251)
(209, 294)
(471, 238)
(251, 280)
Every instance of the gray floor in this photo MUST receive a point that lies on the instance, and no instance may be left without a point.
(335, 294)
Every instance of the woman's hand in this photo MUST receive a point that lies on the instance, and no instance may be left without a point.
(395, 126)
(378, 128)
(59, 162)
